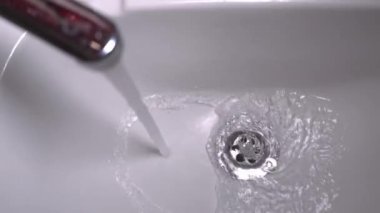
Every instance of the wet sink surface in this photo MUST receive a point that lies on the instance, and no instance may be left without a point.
(62, 145)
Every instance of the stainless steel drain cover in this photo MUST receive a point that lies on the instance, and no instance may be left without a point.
(247, 155)
(247, 149)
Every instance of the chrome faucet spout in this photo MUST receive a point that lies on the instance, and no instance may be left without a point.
(68, 25)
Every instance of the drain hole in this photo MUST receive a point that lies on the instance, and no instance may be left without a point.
(240, 157)
(244, 139)
(235, 147)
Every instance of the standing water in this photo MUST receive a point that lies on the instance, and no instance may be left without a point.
(123, 82)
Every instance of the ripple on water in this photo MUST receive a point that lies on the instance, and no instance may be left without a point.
(124, 172)
(305, 142)
(303, 132)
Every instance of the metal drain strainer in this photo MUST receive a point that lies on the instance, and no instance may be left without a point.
(247, 155)
(247, 149)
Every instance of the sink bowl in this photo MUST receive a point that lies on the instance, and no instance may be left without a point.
(63, 133)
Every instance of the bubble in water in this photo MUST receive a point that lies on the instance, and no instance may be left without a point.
(300, 130)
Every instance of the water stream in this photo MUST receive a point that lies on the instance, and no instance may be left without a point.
(122, 80)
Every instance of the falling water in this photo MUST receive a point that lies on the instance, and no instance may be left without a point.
(121, 79)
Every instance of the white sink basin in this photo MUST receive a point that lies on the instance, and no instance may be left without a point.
(61, 148)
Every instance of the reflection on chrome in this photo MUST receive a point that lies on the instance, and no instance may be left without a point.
(109, 47)
(18, 42)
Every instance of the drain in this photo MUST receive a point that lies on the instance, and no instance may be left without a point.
(247, 155)
(247, 149)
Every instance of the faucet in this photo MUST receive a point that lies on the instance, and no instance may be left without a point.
(89, 37)
(68, 25)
